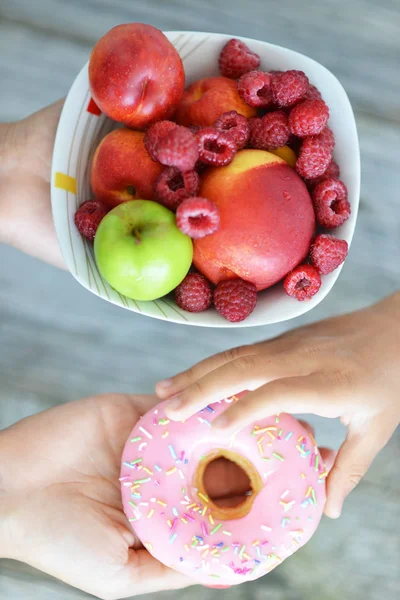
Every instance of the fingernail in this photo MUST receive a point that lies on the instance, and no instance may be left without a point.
(333, 512)
(165, 384)
(221, 422)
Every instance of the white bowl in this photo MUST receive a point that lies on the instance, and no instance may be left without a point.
(80, 131)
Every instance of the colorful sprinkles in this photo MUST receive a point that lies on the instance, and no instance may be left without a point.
(210, 540)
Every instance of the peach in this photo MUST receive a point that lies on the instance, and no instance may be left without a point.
(206, 99)
(267, 220)
(122, 168)
(287, 154)
(136, 75)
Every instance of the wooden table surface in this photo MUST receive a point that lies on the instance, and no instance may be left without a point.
(76, 344)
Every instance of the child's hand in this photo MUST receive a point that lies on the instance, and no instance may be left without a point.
(346, 367)
(26, 149)
(60, 499)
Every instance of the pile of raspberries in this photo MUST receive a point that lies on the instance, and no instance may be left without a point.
(291, 113)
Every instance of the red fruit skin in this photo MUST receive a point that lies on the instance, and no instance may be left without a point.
(197, 217)
(88, 217)
(204, 101)
(154, 134)
(194, 294)
(235, 299)
(236, 58)
(302, 283)
(122, 169)
(178, 149)
(328, 252)
(136, 76)
(267, 221)
(172, 187)
(331, 204)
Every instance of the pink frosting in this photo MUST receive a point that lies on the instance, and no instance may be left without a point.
(175, 524)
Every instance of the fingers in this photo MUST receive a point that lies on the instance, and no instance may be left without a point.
(143, 402)
(143, 574)
(327, 454)
(169, 387)
(352, 462)
(328, 457)
(303, 394)
(247, 372)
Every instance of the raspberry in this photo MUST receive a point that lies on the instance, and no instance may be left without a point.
(236, 125)
(327, 138)
(276, 129)
(330, 203)
(154, 134)
(194, 293)
(88, 216)
(289, 87)
(235, 299)
(303, 282)
(178, 149)
(197, 217)
(270, 132)
(255, 88)
(313, 93)
(255, 133)
(314, 158)
(332, 172)
(328, 252)
(308, 118)
(236, 59)
(215, 147)
(172, 186)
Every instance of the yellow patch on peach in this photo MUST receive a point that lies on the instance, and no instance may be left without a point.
(287, 154)
(244, 160)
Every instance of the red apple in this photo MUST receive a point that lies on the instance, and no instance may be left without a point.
(122, 168)
(206, 99)
(266, 220)
(136, 75)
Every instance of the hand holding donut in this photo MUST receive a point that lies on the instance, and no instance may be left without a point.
(60, 499)
(346, 367)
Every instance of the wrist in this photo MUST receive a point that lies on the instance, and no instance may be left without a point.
(9, 147)
(10, 168)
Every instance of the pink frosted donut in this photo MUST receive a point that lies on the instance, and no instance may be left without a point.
(167, 505)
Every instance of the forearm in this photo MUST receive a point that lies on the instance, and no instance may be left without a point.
(11, 179)
(7, 535)
(26, 149)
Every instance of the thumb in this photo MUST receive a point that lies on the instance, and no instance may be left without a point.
(143, 574)
(352, 462)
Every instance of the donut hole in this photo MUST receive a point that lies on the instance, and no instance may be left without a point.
(226, 483)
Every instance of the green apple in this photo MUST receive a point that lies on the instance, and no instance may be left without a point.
(140, 251)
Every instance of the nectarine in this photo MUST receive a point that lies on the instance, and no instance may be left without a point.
(136, 75)
(204, 101)
(122, 168)
(266, 220)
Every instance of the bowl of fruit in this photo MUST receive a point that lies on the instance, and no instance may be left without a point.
(205, 180)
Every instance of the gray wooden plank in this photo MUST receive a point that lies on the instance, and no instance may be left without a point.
(358, 41)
